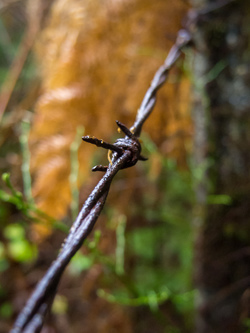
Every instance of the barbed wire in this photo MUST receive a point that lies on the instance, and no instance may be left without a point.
(126, 153)
(31, 318)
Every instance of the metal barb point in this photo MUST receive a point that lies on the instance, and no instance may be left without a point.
(100, 168)
(102, 144)
(124, 129)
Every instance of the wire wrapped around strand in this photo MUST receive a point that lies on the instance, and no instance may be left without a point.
(126, 153)
(130, 143)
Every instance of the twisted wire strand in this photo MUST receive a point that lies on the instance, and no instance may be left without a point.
(31, 318)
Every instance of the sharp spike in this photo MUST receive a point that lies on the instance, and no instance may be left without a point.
(102, 144)
(142, 158)
(99, 168)
(124, 129)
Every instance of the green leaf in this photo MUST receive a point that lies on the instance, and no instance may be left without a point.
(22, 250)
(5, 196)
(80, 263)
(14, 232)
(152, 299)
(219, 199)
(4, 264)
(6, 310)
(60, 305)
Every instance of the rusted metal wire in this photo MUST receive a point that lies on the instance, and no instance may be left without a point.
(126, 153)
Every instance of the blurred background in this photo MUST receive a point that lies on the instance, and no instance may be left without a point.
(71, 68)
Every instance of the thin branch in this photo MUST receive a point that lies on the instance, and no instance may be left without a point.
(15, 70)
(20, 59)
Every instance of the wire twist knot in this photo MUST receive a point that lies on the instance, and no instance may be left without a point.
(129, 143)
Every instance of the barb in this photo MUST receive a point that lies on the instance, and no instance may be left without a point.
(129, 143)
(101, 143)
(126, 154)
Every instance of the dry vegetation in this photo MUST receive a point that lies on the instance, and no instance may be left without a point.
(97, 60)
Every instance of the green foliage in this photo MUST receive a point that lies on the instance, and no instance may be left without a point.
(219, 199)
(152, 299)
(28, 208)
(8, 48)
(4, 263)
(25, 128)
(246, 323)
(6, 310)
(161, 250)
(80, 263)
(18, 247)
(168, 239)
(60, 305)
